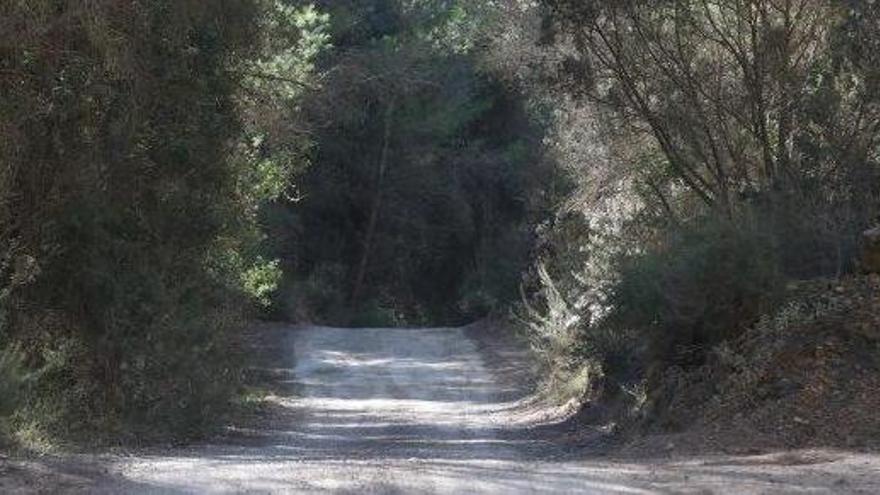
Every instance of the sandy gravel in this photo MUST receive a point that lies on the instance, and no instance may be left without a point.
(420, 411)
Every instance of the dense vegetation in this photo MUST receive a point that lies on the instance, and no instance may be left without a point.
(635, 181)
(129, 194)
(737, 152)
(418, 207)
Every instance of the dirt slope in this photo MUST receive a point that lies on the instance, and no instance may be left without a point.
(420, 411)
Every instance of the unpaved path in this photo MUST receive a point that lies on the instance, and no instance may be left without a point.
(420, 411)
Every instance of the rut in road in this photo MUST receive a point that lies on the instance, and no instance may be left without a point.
(418, 411)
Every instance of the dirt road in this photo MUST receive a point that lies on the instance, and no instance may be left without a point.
(421, 411)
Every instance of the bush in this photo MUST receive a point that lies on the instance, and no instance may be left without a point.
(702, 284)
(109, 269)
(12, 381)
(556, 331)
(318, 297)
(261, 281)
(374, 314)
(494, 281)
(163, 368)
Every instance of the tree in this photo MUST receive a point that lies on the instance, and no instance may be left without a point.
(420, 169)
(128, 200)
(717, 84)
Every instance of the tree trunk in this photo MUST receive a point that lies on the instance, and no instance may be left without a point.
(373, 221)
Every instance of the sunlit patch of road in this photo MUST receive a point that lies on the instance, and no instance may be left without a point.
(419, 411)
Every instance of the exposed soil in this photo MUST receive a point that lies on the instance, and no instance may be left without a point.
(808, 377)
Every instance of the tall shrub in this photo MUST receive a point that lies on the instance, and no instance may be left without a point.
(117, 193)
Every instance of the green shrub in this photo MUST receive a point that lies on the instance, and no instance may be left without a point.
(475, 301)
(112, 285)
(374, 314)
(495, 279)
(164, 366)
(261, 281)
(13, 376)
(703, 284)
(11, 379)
(556, 329)
(319, 297)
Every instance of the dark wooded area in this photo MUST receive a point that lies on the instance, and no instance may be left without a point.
(637, 185)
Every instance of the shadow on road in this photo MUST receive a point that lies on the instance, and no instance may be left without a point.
(415, 411)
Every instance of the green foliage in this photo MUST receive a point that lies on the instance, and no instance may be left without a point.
(716, 155)
(420, 185)
(294, 37)
(493, 283)
(578, 357)
(701, 285)
(374, 314)
(262, 280)
(13, 378)
(319, 296)
(136, 161)
(170, 166)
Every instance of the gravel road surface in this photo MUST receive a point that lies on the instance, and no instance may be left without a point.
(392, 411)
